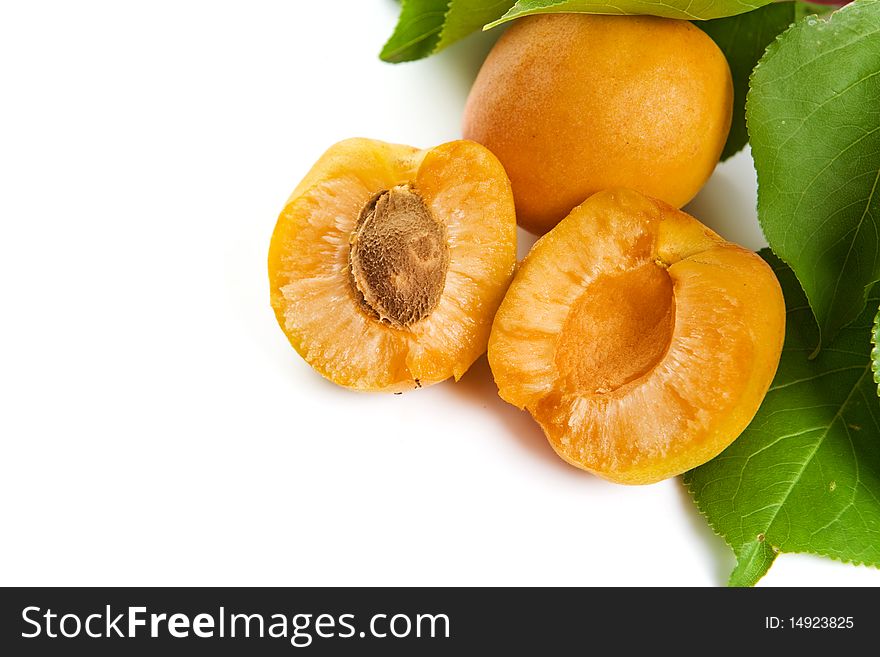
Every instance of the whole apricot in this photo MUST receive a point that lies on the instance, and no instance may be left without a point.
(575, 103)
(640, 341)
(388, 262)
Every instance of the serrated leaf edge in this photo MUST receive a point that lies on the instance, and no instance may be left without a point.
(875, 351)
(769, 52)
(824, 18)
(688, 485)
(849, 562)
(437, 47)
(509, 15)
(512, 14)
(403, 4)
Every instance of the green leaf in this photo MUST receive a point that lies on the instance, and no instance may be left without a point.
(743, 40)
(805, 474)
(428, 26)
(417, 32)
(805, 8)
(466, 16)
(875, 352)
(686, 9)
(813, 116)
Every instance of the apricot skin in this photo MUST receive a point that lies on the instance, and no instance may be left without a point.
(573, 104)
(641, 341)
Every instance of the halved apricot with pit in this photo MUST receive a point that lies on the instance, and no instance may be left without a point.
(640, 341)
(388, 263)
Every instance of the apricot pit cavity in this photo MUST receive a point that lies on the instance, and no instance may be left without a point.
(598, 352)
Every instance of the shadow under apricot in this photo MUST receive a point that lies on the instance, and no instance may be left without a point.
(477, 386)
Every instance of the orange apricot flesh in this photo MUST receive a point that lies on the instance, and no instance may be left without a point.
(641, 341)
(388, 262)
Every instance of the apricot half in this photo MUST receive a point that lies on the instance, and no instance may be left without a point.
(640, 341)
(388, 263)
(573, 104)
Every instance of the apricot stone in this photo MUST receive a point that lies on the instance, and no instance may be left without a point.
(641, 341)
(574, 103)
(399, 256)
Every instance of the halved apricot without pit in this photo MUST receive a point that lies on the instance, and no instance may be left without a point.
(388, 263)
(640, 341)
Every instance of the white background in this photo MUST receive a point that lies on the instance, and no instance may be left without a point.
(156, 426)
